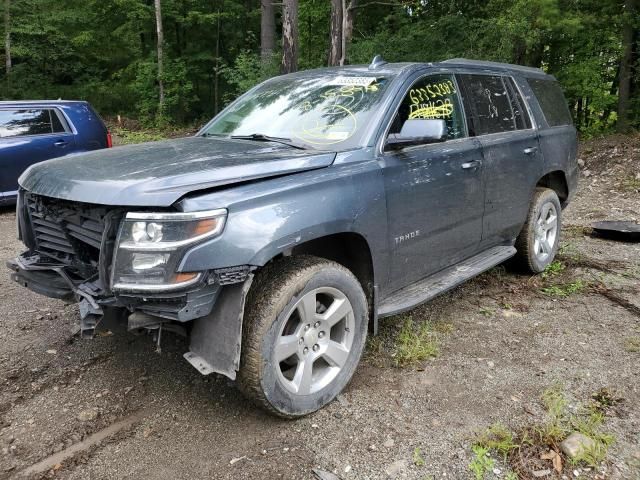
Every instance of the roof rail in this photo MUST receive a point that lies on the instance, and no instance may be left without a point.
(484, 63)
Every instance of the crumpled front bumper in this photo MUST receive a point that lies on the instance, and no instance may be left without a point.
(213, 309)
(42, 280)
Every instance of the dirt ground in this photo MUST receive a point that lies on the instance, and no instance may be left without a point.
(129, 412)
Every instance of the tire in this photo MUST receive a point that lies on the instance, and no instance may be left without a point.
(538, 241)
(285, 331)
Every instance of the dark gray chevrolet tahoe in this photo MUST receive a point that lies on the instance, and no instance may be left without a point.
(310, 207)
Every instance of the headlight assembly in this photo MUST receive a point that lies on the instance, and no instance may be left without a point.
(151, 245)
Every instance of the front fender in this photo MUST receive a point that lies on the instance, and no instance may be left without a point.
(270, 217)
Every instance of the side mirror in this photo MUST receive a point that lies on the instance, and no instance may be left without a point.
(418, 132)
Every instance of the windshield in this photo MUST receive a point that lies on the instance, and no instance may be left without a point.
(320, 112)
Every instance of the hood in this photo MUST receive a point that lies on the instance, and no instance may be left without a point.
(159, 173)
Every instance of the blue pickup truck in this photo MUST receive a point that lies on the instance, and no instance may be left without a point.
(34, 131)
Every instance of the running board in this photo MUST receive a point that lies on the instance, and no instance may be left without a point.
(430, 287)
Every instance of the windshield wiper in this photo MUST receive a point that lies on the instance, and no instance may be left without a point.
(260, 137)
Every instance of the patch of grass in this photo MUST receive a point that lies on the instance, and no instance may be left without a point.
(631, 184)
(442, 327)
(499, 439)
(553, 269)
(414, 344)
(524, 449)
(632, 344)
(418, 459)
(124, 136)
(486, 311)
(563, 290)
(482, 463)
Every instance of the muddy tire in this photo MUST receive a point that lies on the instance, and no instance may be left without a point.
(538, 241)
(305, 327)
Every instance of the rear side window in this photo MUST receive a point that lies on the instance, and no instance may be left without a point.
(493, 105)
(18, 123)
(552, 101)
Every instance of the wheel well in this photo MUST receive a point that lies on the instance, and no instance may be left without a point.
(558, 182)
(349, 250)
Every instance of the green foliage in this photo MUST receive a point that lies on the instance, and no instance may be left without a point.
(564, 289)
(414, 344)
(498, 438)
(123, 136)
(530, 441)
(418, 459)
(248, 70)
(482, 463)
(104, 51)
(554, 268)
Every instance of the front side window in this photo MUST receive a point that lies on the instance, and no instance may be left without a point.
(17, 123)
(489, 107)
(432, 97)
(319, 111)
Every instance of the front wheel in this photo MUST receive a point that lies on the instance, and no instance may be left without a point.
(305, 330)
(537, 243)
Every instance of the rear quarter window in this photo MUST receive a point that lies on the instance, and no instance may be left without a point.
(552, 101)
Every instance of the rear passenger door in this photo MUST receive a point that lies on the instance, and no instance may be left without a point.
(27, 136)
(499, 118)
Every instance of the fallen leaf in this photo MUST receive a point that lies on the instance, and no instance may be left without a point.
(550, 455)
(557, 463)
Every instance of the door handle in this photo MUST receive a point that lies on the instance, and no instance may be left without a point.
(60, 143)
(471, 164)
(530, 150)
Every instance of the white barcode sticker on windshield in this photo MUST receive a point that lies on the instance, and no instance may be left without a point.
(359, 81)
(337, 135)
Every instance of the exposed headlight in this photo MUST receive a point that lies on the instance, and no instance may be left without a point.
(150, 246)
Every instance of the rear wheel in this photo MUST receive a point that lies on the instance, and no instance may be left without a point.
(537, 243)
(305, 329)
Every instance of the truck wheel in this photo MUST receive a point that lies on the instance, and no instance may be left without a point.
(305, 327)
(537, 243)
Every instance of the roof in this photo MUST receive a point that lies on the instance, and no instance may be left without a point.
(383, 68)
(11, 103)
(465, 62)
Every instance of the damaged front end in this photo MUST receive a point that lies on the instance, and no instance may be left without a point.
(107, 258)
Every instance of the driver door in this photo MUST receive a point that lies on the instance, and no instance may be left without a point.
(435, 195)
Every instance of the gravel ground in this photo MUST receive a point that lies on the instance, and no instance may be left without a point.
(502, 344)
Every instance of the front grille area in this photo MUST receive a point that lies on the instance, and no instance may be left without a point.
(70, 233)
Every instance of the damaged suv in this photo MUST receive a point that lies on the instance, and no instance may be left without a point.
(312, 206)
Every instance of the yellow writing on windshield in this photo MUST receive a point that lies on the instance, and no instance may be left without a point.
(339, 123)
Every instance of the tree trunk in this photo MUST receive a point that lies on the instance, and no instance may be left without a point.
(267, 30)
(289, 36)
(7, 35)
(217, 70)
(336, 33)
(348, 16)
(160, 65)
(626, 66)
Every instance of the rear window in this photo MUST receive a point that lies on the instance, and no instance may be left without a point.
(17, 123)
(493, 105)
(552, 101)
